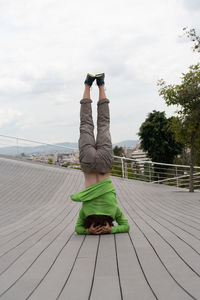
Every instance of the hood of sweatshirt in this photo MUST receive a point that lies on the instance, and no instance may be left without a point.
(93, 191)
(98, 199)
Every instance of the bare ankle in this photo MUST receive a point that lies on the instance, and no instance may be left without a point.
(86, 93)
(102, 94)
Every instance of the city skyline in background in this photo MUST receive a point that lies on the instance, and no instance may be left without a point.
(48, 47)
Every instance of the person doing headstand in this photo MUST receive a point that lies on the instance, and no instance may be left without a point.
(99, 204)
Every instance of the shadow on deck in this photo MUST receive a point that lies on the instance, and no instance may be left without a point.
(42, 258)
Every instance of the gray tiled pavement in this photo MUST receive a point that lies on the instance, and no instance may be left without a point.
(42, 258)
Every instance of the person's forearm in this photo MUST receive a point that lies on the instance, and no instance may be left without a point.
(120, 228)
(81, 230)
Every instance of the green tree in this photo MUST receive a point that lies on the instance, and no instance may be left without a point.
(50, 161)
(192, 35)
(66, 164)
(157, 138)
(118, 151)
(186, 96)
(182, 134)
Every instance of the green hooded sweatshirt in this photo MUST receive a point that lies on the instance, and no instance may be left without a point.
(100, 199)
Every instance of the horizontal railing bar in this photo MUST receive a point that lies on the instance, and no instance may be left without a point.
(138, 169)
(171, 178)
(156, 163)
(37, 142)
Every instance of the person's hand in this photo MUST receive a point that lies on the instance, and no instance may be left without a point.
(95, 230)
(106, 229)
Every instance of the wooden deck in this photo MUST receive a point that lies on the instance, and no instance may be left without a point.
(42, 258)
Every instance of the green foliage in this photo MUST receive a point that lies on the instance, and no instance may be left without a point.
(183, 130)
(192, 35)
(186, 96)
(77, 167)
(130, 173)
(118, 151)
(66, 164)
(117, 170)
(50, 161)
(183, 158)
(158, 139)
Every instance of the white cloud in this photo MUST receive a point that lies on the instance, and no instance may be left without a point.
(9, 115)
(13, 86)
(48, 46)
(193, 5)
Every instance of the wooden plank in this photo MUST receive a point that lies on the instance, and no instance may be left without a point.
(133, 282)
(43, 259)
(106, 280)
(158, 269)
(79, 283)
(30, 258)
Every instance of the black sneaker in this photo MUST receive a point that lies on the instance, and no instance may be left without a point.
(100, 79)
(89, 79)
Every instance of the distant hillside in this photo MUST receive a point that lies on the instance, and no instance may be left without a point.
(126, 143)
(68, 144)
(13, 150)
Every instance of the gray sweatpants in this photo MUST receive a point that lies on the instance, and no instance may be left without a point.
(95, 157)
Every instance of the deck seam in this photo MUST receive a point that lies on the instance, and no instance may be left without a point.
(118, 273)
(36, 257)
(95, 264)
(158, 255)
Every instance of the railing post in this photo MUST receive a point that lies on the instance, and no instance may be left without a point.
(125, 168)
(17, 146)
(149, 173)
(176, 177)
(122, 162)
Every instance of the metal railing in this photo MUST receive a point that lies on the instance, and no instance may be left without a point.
(154, 172)
(38, 151)
(143, 170)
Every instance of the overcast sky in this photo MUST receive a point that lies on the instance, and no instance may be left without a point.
(48, 46)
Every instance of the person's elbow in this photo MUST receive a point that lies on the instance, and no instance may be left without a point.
(81, 230)
(78, 230)
(127, 228)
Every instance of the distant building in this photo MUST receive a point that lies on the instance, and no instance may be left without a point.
(139, 155)
(135, 153)
(137, 147)
(128, 151)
